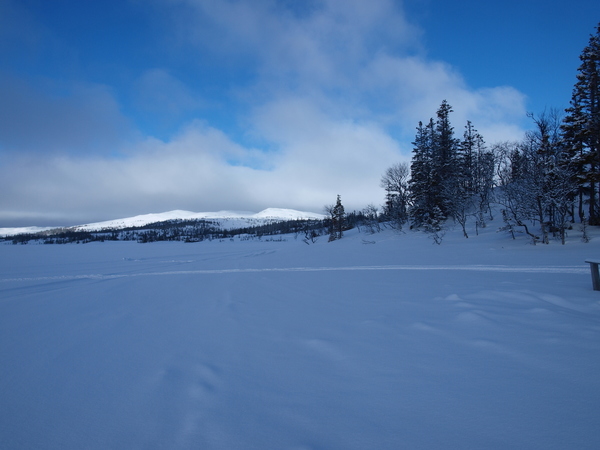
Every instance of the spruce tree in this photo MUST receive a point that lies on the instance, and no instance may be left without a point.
(420, 174)
(434, 170)
(581, 127)
(467, 158)
(445, 168)
(338, 219)
(484, 180)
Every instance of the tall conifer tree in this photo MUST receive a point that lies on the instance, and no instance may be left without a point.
(445, 165)
(338, 220)
(420, 174)
(581, 127)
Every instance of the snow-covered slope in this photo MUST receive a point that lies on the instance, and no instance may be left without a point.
(22, 230)
(225, 219)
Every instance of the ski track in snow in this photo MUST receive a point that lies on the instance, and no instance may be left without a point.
(476, 268)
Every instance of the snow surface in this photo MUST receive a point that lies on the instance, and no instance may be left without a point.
(227, 219)
(22, 230)
(371, 342)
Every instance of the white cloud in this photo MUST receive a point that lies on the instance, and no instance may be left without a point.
(193, 171)
(354, 60)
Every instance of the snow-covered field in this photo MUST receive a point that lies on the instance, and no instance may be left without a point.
(370, 342)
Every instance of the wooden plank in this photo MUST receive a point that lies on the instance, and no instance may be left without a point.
(595, 274)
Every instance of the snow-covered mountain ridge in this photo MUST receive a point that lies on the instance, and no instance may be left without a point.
(225, 219)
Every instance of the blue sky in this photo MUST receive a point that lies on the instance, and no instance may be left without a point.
(116, 108)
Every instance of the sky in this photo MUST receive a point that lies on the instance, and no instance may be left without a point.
(117, 108)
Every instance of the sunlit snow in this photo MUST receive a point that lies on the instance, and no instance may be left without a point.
(227, 219)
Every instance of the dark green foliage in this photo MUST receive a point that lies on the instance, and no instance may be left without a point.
(581, 129)
(435, 171)
(337, 220)
(421, 167)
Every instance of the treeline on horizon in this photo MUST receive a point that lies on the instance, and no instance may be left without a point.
(195, 230)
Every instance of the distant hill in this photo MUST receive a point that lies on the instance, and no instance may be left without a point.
(225, 220)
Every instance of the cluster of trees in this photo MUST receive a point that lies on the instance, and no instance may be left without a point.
(447, 177)
(544, 183)
(536, 181)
